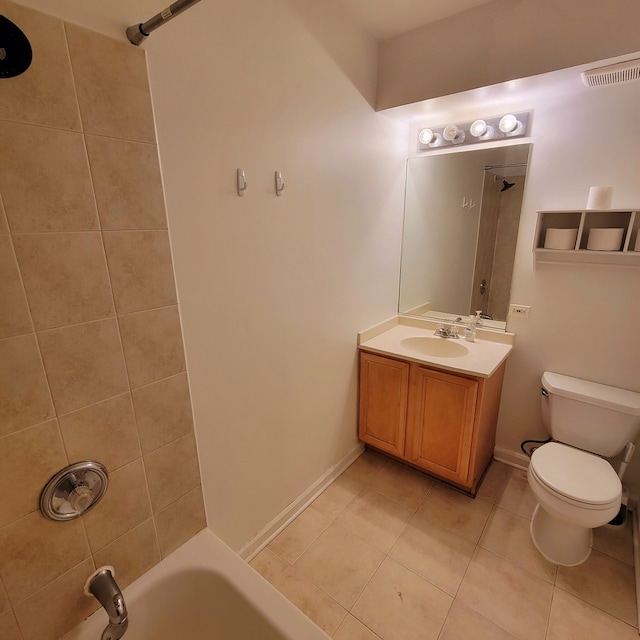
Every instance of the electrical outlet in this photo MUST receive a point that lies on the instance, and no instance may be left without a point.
(520, 310)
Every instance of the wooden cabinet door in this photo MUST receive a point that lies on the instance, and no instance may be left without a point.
(384, 385)
(440, 423)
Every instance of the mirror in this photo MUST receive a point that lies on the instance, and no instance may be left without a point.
(462, 212)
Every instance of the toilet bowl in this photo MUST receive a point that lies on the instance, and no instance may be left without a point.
(576, 492)
(576, 487)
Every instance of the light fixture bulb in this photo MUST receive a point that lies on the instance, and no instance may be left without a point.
(478, 128)
(425, 136)
(508, 123)
(450, 132)
(437, 140)
(489, 133)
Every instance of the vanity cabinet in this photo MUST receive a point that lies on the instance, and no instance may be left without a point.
(384, 386)
(439, 421)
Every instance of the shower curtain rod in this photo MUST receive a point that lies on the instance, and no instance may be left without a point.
(505, 166)
(137, 33)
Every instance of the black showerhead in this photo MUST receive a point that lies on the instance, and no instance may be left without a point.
(15, 50)
(507, 185)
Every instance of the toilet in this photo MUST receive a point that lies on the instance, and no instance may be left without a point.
(577, 489)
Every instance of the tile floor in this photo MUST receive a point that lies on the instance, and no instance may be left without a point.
(388, 553)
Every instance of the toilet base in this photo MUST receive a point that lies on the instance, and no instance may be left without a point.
(559, 542)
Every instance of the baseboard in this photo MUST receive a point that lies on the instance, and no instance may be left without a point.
(512, 458)
(271, 530)
(636, 557)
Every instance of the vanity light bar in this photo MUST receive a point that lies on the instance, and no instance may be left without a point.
(510, 125)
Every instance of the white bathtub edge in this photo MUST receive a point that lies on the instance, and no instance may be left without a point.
(205, 551)
(293, 510)
(204, 547)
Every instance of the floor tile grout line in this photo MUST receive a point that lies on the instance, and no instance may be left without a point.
(365, 625)
(515, 564)
(504, 557)
(292, 566)
(342, 508)
(313, 584)
(595, 606)
(478, 546)
(548, 624)
(413, 509)
(469, 605)
(444, 622)
(350, 609)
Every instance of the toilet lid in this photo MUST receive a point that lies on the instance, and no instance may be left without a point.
(575, 474)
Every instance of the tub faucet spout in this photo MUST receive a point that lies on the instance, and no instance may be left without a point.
(104, 587)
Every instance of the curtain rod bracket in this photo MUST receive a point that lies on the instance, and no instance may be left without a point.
(137, 33)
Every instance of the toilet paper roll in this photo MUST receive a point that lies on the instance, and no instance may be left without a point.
(600, 198)
(560, 238)
(605, 239)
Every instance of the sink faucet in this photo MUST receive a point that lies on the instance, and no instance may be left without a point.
(447, 331)
(104, 587)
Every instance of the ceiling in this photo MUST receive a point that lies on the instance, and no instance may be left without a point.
(386, 18)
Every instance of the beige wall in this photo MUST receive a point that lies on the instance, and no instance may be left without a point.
(91, 357)
(273, 290)
(500, 41)
(583, 317)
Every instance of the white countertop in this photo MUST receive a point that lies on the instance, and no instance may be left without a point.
(479, 358)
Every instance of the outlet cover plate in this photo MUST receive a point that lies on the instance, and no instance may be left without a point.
(519, 310)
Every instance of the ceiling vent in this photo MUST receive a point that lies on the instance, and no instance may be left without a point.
(613, 74)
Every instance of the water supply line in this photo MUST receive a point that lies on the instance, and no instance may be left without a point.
(525, 443)
(138, 33)
(627, 454)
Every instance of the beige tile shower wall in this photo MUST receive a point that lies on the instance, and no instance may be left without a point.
(510, 207)
(91, 357)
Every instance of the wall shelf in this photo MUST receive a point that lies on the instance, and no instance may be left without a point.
(584, 221)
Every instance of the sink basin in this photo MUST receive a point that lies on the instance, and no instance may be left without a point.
(415, 341)
(438, 347)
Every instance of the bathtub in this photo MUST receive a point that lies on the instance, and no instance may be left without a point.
(204, 591)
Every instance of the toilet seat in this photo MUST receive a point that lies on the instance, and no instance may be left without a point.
(576, 476)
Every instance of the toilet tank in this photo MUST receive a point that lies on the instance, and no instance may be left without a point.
(588, 415)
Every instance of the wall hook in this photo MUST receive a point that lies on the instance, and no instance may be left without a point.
(279, 183)
(241, 182)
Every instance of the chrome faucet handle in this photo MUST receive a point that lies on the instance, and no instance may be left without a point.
(441, 331)
(446, 331)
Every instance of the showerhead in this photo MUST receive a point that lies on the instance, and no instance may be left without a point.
(15, 50)
(507, 185)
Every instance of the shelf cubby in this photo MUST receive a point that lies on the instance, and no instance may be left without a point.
(584, 221)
